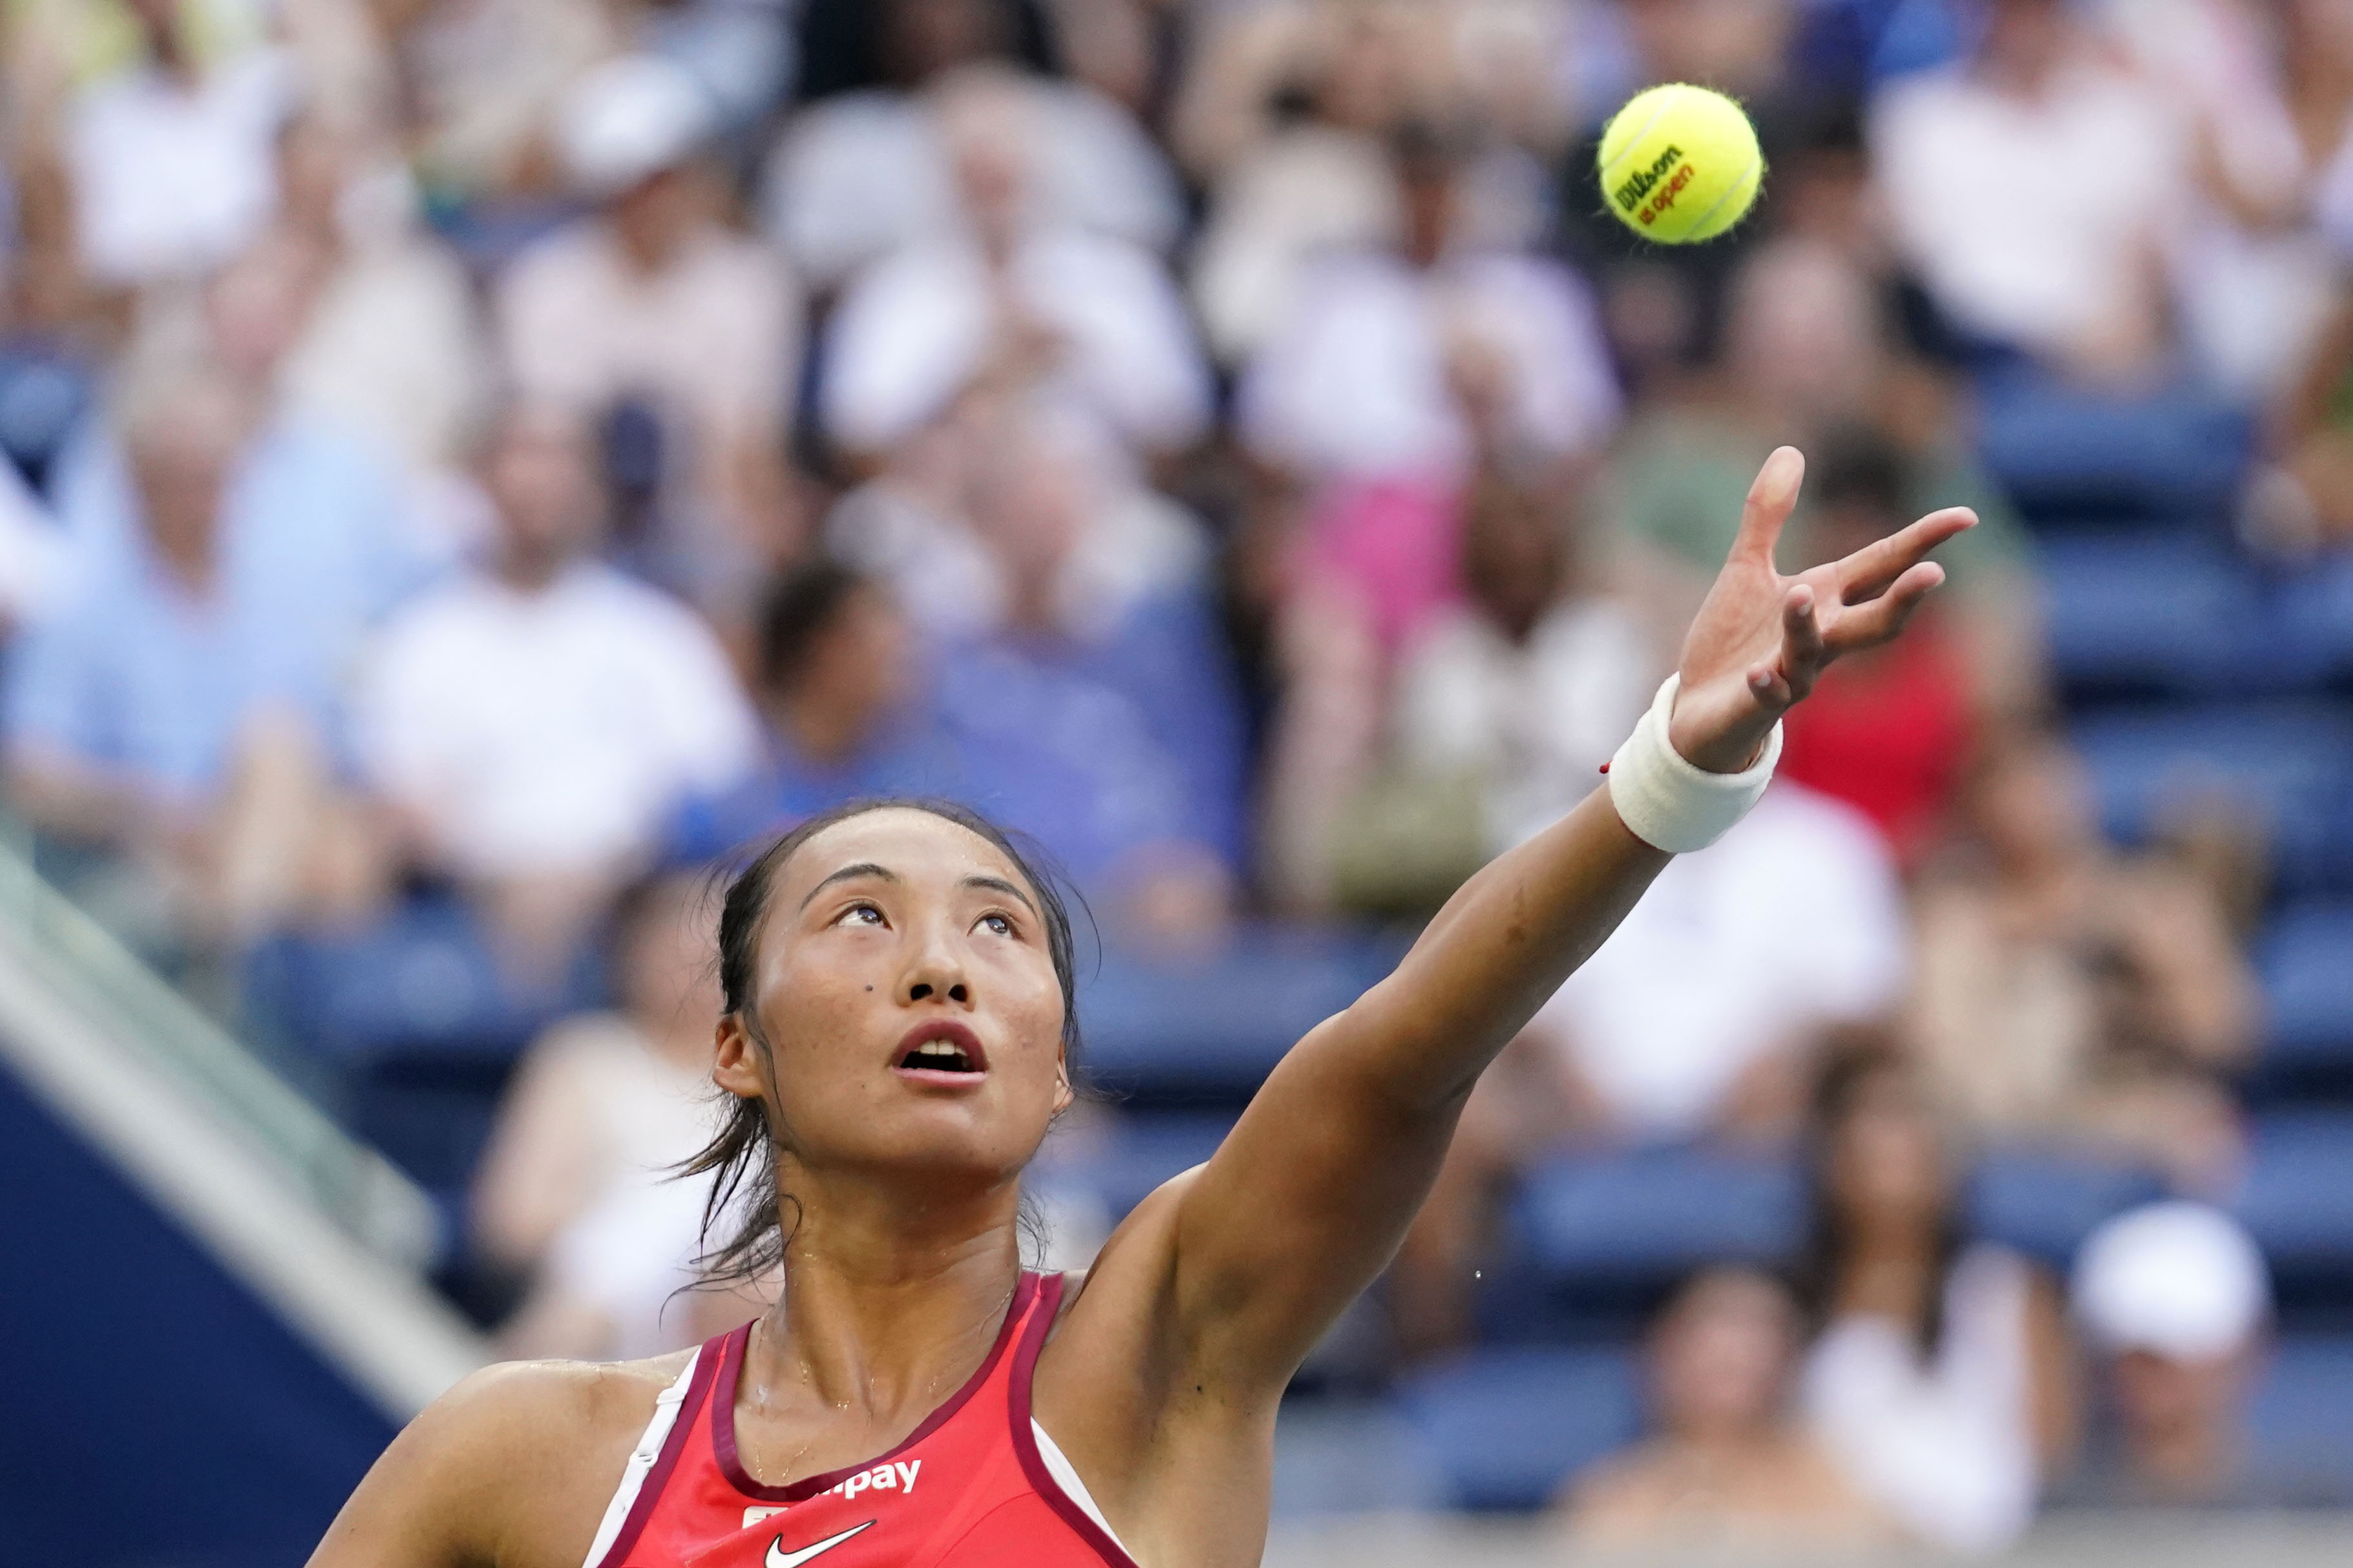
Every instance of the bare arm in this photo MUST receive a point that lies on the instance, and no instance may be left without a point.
(1308, 1198)
(509, 1469)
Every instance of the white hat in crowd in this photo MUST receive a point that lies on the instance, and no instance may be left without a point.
(2182, 1280)
(630, 118)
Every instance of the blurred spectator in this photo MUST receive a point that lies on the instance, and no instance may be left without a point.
(48, 360)
(390, 344)
(1793, 923)
(2070, 272)
(482, 82)
(2307, 502)
(1808, 359)
(2263, 90)
(1103, 722)
(1889, 730)
(674, 335)
(1283, 115)
(170, 151)
(1409, 362)
(178, 702)
(1796, 921)
(859, 176)
(1728, 1470)
(1505, 704)
(601, 1110)
(32, 553)
(1939, 1381)
(842, 693)
(2174, 1299)
(1010, 296)
(533, 721)
(2067, 989)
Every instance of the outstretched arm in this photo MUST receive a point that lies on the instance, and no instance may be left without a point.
(1308, 1198)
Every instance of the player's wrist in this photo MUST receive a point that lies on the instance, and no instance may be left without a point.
(1671, 802)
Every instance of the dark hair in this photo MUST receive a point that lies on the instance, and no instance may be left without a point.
(1858, 466)
(1854, 1058)
(742, 1155)
(798, 607)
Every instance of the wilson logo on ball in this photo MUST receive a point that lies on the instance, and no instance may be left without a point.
(1642, 182)
(1666, 198)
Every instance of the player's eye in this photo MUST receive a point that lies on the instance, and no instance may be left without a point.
(860, 914)
(997, 925)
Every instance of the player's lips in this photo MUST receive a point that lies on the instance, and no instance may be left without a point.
(941, 1050)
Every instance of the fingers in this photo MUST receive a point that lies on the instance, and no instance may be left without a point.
(1865, 625)
(1771, 500)
(1802, 631)
(1870, 569)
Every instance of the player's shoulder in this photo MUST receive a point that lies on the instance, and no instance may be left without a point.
(567, 1403)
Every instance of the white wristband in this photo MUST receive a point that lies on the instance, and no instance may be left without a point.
(1667, 803)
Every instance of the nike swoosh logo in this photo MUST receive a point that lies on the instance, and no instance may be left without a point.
(780, 1558)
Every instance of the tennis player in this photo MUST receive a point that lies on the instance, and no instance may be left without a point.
(897, 1040)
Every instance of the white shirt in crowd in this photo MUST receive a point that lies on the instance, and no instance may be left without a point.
(914, 330)
(2028, 218)
(714, 338)
(1358, 381)
(549, 731)
(1793, 922)
(1536, 723)
(171, 181)
(1945, 1444)
(863, 174)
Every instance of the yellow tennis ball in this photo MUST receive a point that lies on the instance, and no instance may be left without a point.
(1680, 164)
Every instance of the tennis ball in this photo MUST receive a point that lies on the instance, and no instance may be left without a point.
(1680, 164)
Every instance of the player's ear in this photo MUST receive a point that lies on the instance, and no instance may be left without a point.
(736, 1066)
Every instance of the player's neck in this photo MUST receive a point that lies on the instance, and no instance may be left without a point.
(886, 1302)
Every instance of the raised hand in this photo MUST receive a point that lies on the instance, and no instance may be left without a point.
(1760, 640)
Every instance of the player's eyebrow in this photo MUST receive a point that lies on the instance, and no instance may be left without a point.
(1000, 885)
(850, 873)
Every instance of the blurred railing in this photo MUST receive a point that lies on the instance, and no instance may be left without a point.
(351, 1185)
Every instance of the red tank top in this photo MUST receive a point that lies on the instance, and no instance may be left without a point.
(970, 1488)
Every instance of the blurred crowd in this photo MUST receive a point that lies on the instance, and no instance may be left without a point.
(514, 454)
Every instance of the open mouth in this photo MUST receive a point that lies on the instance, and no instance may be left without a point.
(939, 1055)
(942, 1046)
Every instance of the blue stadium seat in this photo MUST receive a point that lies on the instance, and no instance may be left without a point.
(2063, 453)
(2288, 762)
(2298, 1203)
(1645, 1218)
(2045, 1201)
(419, 984)
(1208, 1032)
(1510, 1425)
(2172, 614)
(2301, 1420)
(2316, 617)
(1120, 1156)
(1609, 1234)
(2305, 961)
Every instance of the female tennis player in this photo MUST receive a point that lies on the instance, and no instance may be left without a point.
(898, 987)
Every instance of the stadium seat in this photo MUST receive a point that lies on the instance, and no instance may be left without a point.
(2305, 961)
(1120, 1156)
(2045, 1201)
(2316, 617)
(2063, 454)
(1208, 1032)
(2298, 1203)
(2298, 1420)
(1645, 1218)
(2289, 762)
(419, 984)
(1508, 1427)
(2171, 614)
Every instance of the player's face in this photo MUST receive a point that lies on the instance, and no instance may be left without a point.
(908, 1002)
